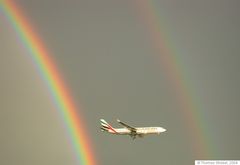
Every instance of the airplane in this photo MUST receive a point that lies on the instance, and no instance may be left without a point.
(133, 132)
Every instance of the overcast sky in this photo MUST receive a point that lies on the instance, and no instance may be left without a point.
(105, 53)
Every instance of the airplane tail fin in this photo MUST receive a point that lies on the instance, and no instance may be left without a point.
(107, 127)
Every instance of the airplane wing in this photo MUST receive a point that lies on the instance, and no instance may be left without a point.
(132, 129)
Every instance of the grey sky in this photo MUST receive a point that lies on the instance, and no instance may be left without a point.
(105, 53)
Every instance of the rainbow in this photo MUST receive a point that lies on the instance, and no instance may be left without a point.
(45, 65)
(169, 59)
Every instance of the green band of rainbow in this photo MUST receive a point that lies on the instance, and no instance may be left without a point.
(41, 57)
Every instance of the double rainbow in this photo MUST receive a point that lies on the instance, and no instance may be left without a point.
(65, 106)
(45, 65)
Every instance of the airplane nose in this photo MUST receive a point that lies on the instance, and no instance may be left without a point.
(160, 129)
(163, 130)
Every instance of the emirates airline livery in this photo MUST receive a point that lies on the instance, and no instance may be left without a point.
(129, 130)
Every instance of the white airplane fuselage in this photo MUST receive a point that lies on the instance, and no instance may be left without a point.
(139, 130)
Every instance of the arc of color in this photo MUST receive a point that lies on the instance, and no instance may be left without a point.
(45, 65)
(174, 70)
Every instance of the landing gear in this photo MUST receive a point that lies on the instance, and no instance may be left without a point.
(133, 135)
